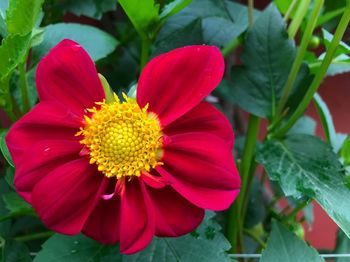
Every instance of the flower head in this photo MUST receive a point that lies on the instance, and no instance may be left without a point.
(124, 171)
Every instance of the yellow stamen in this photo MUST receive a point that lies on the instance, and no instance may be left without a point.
(123, 139)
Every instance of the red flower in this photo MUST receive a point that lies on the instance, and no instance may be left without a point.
(125, 171)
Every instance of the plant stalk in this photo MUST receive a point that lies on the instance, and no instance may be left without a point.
(23, 82)
(290, 10)
(300, 55)
(145, 49)
(235, 224)
(320, 74)
(34, 236)
(298, 18)
(231, 46)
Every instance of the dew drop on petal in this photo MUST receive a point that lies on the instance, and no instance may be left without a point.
(46, 151)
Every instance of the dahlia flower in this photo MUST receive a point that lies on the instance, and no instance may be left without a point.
(126, 169)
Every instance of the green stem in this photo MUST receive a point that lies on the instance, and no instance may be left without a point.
(34, 236)
(298, 18)
(232, 226)
(25, 212)
(250, 12)
(246, 195)
(145, 48)
(300, 55)
(235, 223)
(290, 10)
(23, 82)
(320, 74)
(231, 46)
(235, 211)
(249, 148)
(329, 16)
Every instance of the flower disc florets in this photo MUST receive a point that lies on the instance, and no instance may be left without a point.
(122, 138)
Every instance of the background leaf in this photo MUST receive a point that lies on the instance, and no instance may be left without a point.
(303, 165)
(325, 117)
(3, 147)
(222, 21)
(173, 8)
(78, 248)
(90, 8)
(342, 246)
(267, 58)
(15, 203)
(283, 245)
(95, 41)
(16, 252)
(191, 34)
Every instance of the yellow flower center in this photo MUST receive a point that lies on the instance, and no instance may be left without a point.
(122, 138)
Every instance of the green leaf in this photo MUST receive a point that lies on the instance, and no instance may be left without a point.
(188, 35)
(209, 245)
(15, 204)
(342, 48)
(9, 176)
(3, 31)
(222, 21)
(90, 8)
(328, 16)
(173, 8)
(329, 7)
(21, 16)
(76, 249)
(267, 58)
(283, 245)
(95, 41)
(3, 147)
(13, 50)
(345, 151)
(326, 118)
(142, 14)
(304, 165)
(342, 246)
(3, 7)
(16, 252)
(304, 125)
(283, 5)
(339, 65)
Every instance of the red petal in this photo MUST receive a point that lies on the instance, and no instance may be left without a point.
(46, 121)
(175, 82)
(103, 224)
(202, 118)
(137, 218)
(153, 181)
(65, 197)
(175, 216)
(41, 159)
(200, 167)
(67, 75)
